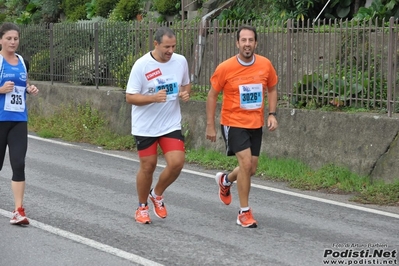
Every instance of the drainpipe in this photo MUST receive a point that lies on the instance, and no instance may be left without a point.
(202, 39)
(321, 12)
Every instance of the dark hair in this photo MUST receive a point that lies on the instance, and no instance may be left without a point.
(163, 31)
(7, 26)
(247, 27)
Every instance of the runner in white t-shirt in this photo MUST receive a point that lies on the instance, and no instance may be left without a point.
(156, 83)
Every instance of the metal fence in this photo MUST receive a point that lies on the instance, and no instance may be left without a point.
(338, 63)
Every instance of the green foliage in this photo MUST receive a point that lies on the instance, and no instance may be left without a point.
(33, 11)
(331, 178)
(116, 42)
(50, 10)
(74, 9)
(3, 17)
(380, 193)
(73, 123)
(83, 69)
(122, 72)
(127, 10)
(308, 9)
(67, 35)
(40, 64)
(34, 38)
(26, 16)
(338, 9)
(299, 10)
(356, 78)
(211, 159)
(121, 44)
(13, 8)
(379, 10)
(246, 10)
(91, 9)
(65, 47)
(167, 7)
(356, 55)
(79, 123)
(283, 169)
(329, 89)
(104, 7)
(237, 13)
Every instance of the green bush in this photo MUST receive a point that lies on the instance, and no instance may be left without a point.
(74, 9)
(104, 7)
(3, 17)
(50, 11)
(167, 7)
(83, 70)
(126, 10)
(122, 72)
(65, 47)
(33, 38)
(39, 64)
(115, 42)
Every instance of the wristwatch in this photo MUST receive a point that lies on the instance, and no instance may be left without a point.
(273, 113)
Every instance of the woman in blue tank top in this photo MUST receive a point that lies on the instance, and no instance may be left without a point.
(13, 114)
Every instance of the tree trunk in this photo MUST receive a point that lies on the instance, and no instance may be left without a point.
(357, 5)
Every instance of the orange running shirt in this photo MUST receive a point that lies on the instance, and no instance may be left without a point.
(244, 89)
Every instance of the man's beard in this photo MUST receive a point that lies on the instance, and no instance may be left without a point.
(247, 54)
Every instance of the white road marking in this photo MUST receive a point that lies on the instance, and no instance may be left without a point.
(52, 141)
(88, 242)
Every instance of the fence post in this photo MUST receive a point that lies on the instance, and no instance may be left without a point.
(289, 59)
(96, 61)
(151, 35)
(215, 44)
(390, 65)
(51, 54)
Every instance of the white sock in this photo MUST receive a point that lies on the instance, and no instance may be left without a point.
(244, 209)
(224, 181)
(153, 194)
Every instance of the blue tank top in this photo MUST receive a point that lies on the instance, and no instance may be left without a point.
(13, 104)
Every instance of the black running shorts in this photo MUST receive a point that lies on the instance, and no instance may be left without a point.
(238, 139)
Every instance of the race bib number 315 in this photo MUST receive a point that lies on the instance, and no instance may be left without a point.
(251, 96)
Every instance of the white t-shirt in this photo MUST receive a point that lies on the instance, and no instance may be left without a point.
(147, 77)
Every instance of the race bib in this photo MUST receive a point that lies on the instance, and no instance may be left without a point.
(169, 84)
(15, 100)
(251, 96)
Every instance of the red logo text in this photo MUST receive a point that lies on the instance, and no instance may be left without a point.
(153, 74)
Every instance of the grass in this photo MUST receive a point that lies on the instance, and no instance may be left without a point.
(83, 124)
(79, 124)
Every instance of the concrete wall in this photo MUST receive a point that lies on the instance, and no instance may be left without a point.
(366, 144)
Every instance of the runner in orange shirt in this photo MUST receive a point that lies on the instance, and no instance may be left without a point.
(244, 79)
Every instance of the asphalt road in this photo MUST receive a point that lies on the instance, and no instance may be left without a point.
(81, 201)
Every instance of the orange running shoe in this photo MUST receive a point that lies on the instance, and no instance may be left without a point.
(246, 219)
(159, 206)
(18, 217)
(224, 191)
(142, 216)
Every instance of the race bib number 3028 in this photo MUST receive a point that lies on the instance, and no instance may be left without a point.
(251, 96)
